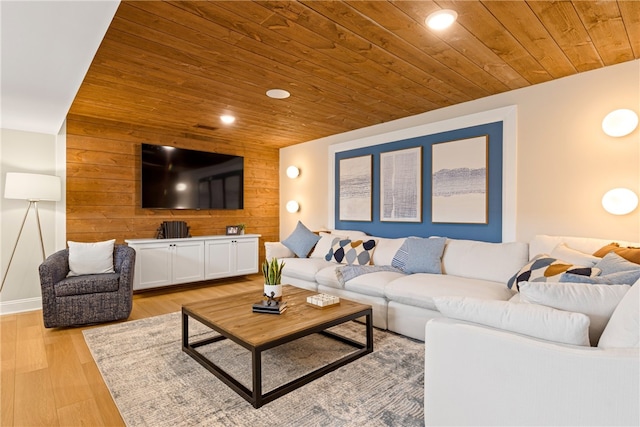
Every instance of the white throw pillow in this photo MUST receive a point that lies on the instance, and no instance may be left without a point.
(528, 319)
(562, 251)
(596, 301)
(90, 258)
(623, 329)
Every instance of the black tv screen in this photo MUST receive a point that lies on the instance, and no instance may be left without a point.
(177, 178)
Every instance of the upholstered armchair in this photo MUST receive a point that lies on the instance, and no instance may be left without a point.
(86, 299)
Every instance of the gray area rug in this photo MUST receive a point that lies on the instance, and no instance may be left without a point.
(154, 383)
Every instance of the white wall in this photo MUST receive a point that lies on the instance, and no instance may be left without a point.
(39, 153)
(565, 162)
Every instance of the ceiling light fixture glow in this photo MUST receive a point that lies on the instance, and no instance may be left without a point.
(227, 119)
(278, 94)
(441, 19)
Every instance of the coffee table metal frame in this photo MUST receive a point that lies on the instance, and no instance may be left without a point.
(255, 396)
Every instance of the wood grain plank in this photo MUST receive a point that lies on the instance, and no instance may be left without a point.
(605, 27)
(524, 26)
(563, 23)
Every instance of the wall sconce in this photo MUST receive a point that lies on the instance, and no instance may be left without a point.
(293, 206)
(620, 122)
(620, 201)
(293, 172)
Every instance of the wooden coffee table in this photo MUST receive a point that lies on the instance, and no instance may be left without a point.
(232, 318)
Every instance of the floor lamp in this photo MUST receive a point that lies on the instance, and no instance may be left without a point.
(34, 188)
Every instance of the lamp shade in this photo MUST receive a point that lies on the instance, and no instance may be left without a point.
(31, 186)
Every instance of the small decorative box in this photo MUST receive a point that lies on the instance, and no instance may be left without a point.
(323, 300)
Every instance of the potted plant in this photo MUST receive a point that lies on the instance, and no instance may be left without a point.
(272, 272)
(241, 228)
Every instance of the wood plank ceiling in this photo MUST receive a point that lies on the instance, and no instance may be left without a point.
(347, 64)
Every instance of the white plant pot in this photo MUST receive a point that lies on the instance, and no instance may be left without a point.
(276, 289)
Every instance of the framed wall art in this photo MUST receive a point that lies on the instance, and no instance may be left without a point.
(355, 184)
(459, 190)
(401, 185)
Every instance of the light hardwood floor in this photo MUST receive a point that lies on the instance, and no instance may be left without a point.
(48, 377)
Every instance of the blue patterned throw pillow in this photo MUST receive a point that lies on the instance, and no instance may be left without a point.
(351, 252)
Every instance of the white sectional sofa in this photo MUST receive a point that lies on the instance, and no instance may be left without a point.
(492, 373)
(403, 303)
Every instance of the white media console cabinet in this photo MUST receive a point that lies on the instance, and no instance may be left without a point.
(165, 262)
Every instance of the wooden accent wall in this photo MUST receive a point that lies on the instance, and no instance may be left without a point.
(103, 184)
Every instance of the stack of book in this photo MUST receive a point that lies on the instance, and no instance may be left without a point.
(273, 307)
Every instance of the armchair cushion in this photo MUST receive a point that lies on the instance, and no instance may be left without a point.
(87, 284)
(90, 258)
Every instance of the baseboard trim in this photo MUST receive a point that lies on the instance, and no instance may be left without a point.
(21, 305)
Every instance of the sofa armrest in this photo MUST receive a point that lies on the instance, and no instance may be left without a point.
(477, 375)
(277, 250)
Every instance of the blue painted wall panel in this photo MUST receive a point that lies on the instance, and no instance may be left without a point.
(490, 232)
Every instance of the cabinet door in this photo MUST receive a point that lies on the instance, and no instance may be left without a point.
(153, 266)
(247, 256)
(218, 259)
(188, 258)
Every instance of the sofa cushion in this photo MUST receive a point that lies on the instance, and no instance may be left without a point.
(623, 329)
(372, 283)
(533, 320)
(544, 268)
(277, 250)
(301, 240)
(87, 284)
(345, 251)
(420, 289)
(386, 250)
(564, 252)
(327, 276)
(596, 301)
(304, 268)
(629, 253)
(494, 262)
(90, 258)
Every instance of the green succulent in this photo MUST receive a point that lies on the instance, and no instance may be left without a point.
(272, 271)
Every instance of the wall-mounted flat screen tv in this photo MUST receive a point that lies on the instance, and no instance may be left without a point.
(177, 178)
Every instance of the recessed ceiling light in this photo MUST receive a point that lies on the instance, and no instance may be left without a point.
(441, 19)
(278, 94)
(227, 119)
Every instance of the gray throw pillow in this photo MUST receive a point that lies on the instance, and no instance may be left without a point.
(628, 277)
(301, 241)
(614, 263)
(425, 255)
